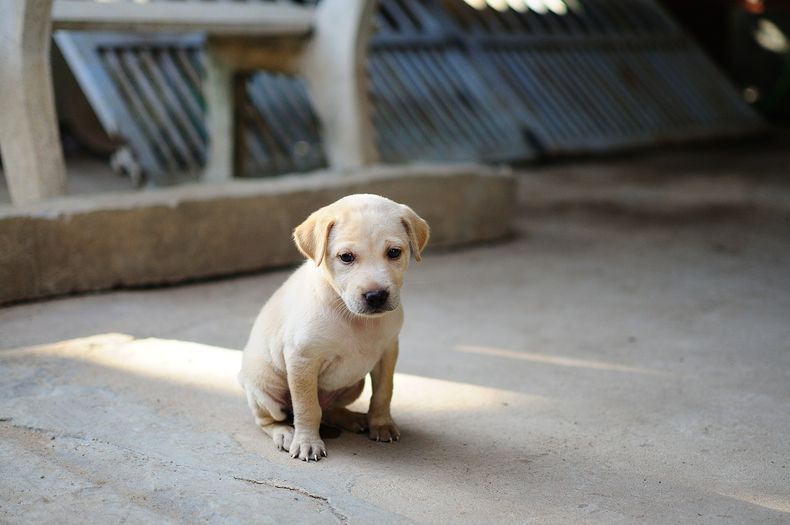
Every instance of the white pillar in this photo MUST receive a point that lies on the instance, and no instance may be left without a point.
(219, 92)
(334, 66)
(29, 138)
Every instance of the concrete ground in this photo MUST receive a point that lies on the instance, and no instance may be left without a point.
(626, 357)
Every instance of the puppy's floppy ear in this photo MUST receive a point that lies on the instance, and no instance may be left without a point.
(417, 229)
(312, 236)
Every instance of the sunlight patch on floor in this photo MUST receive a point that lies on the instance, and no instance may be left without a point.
(212, 368)
(442, 397)
(769, 501)
(180, 362)
(554, 360)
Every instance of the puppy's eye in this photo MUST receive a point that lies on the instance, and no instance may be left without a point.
(346, 258)
(393, 253)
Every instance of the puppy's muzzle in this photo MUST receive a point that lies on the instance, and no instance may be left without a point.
(376, 300)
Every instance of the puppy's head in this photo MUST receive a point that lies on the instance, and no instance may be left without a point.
(363, 243)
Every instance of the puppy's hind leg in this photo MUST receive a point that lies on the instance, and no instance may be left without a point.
(269, 418)
(337, 415)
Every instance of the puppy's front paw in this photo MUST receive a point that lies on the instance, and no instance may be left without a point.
(307, 447)
(383, 429)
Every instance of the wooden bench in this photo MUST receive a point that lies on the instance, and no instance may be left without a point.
(324, 44)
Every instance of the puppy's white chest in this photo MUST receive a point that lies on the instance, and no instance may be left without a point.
(351, 360)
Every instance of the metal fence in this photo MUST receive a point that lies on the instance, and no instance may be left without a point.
(505, 80)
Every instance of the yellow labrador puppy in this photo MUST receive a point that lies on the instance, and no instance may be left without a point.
(335, 320)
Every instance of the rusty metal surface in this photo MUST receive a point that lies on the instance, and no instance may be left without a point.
(448, 82)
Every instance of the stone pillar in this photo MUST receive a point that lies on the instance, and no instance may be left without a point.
(29, 138)
(334, 66)
(219, 92)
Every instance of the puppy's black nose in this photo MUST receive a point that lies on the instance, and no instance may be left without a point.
(376, 298)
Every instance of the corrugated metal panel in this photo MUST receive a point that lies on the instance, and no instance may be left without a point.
(551, 77)
(280, 131)
(430, 102)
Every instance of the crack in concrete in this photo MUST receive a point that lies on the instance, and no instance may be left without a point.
(342, 518)
(56, 434)
(53, 434)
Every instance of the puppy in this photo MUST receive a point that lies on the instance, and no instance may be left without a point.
(335, 320)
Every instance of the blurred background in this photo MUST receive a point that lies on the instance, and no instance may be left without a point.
(500, 81)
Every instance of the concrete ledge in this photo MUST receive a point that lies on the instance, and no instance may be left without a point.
(75, 244)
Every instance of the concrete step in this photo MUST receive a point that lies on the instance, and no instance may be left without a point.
(103, 241)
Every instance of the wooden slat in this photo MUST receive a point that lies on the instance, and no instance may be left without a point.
(224, 19)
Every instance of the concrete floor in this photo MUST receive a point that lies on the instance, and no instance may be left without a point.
(614, 363)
